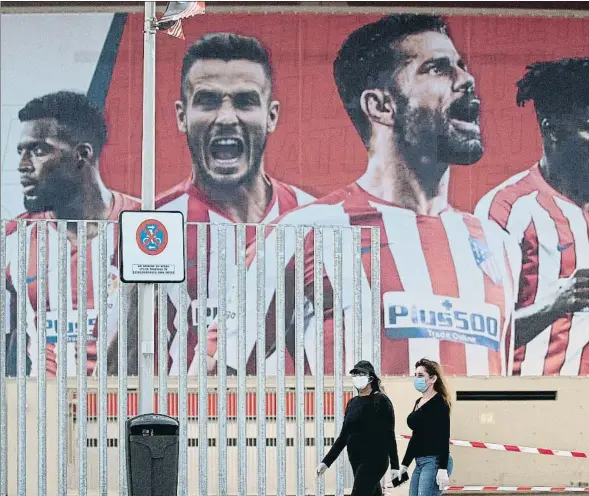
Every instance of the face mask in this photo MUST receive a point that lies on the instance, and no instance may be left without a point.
(420, 384)
(360, 382)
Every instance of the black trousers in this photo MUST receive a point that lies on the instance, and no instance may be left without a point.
(367, 476)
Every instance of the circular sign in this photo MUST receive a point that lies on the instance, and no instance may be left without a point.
(152, 237)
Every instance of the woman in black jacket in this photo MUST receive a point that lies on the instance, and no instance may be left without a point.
(368, 432)
(429, 445)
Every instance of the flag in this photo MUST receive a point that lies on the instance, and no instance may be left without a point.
(171, 21)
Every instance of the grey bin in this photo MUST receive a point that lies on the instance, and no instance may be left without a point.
(152, 455)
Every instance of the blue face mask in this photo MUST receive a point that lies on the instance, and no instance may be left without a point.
(420, 384)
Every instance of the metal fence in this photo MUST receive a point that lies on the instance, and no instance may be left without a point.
(265, 431)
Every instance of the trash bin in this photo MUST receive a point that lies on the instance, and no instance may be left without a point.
(152, 455)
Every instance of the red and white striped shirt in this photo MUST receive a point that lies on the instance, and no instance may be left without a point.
(196, 207)
(446, 288)
(553, 235)
(120, 202)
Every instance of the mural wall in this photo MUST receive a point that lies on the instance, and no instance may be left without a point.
(465, 139)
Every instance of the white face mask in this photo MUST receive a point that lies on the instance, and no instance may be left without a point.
(360, 382)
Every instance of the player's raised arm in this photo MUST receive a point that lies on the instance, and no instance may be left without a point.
(568, 296)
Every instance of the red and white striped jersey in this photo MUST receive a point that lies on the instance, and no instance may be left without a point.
(552, 233)
(196, 207)
(447, 289)
(120, 202)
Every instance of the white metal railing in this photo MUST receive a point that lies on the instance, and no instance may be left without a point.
(41, 267)
(213, 447)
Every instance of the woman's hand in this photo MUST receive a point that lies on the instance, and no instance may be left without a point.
(321, 468)
(397, 474)
(442, 479)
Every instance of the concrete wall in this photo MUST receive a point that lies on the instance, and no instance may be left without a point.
(559, 424)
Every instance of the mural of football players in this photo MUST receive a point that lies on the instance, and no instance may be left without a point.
(446, 282)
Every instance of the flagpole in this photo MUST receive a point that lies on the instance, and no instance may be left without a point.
(146, 302)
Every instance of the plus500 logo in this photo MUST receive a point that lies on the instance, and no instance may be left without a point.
(458, 320)
(212, 311)
(52, 327)
(441, 318)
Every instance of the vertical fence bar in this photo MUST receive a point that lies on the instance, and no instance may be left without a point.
(280, 355)
(122, 392)
(203, 393)
(82, 413)
(183, 389)
(241, 361)
(376, 300)
(261, 352)
(102, 357)
(375, 289)
(3, 326)
(338, 347)
(42, 351)
(162, 346)
(62, 316)
(357, 283)
(320, 358)
(22, 358)
(222, 357)
(300, 355)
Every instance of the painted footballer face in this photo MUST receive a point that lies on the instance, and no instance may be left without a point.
(437, 112)
(227, 117)
(49, 166)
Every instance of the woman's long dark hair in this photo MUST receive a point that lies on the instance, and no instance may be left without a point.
(376, 383)
(377, 387)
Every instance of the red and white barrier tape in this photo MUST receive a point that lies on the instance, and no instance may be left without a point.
(517, 489)
(512, 448)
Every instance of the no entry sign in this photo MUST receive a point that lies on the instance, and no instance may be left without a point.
(152, 237)
(152, 246)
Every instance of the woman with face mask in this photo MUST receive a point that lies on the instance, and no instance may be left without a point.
(429, 445)
(368, 432)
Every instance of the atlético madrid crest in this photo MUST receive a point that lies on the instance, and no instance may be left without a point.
(485, 259)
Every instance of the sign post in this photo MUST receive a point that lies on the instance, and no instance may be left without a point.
(152, 250)
(146, 291)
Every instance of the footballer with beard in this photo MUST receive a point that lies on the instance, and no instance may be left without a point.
(446, 280)
(227, 111)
